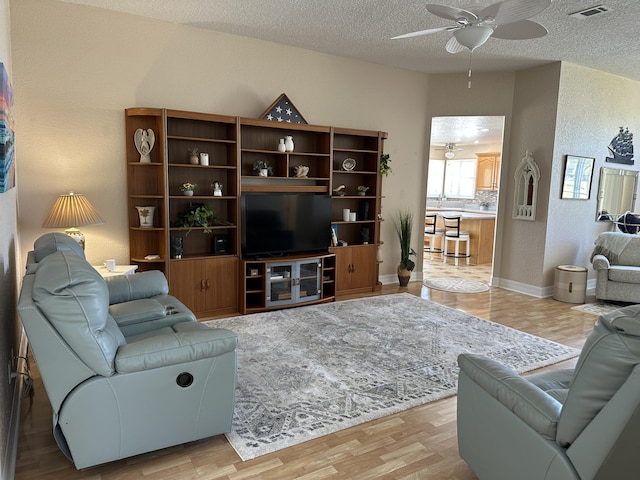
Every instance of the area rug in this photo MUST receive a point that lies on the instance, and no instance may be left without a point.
(309, 371)
(456, 285)
(599, 308)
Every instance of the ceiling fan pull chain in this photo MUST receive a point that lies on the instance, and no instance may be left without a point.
(470, 58)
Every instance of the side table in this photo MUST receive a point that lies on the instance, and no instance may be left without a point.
(570, 284)
(120, 270)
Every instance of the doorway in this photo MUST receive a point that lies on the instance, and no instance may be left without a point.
(465, 159)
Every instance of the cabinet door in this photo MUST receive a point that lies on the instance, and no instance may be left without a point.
(484, 173)
(363, 261)
(187, 283)
(280, 283)
(221, 282)
(308, 280)
(343, 268)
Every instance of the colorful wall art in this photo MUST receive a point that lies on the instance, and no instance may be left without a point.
(7, 136)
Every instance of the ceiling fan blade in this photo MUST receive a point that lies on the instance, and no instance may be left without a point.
(522, 30)
(453, 46)
(451, 13)
(425, 32)
(509, 11)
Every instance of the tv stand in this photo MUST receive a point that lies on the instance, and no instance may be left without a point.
(287, 281)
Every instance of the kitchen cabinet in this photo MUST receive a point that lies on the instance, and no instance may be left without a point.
(488, 171)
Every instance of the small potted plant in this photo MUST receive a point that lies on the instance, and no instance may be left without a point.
(188, 188)
(484, 205)
(197, 215)
(385, 164)
(362, 190)
(193, 156)
(263, 168)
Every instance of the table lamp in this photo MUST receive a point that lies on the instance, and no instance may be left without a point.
(70, 211)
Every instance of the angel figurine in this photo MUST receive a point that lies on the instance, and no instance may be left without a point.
(144, 141)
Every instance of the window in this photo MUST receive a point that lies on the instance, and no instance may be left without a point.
(452, 178)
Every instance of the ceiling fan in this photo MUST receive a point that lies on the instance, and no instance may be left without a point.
(475, 24)
(450, 150)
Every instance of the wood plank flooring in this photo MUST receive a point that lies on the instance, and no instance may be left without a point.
(419, 443)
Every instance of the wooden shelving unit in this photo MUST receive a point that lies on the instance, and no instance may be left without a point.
(213, 282)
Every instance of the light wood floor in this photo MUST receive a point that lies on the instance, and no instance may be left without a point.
(419, 443)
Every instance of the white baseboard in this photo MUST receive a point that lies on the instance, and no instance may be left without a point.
(393, 278)
(9, 461)
(531, 290)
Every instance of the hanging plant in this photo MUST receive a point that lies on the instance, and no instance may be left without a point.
(197, 215)
(385, 164)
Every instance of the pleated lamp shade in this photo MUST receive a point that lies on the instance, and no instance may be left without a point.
(70, 211)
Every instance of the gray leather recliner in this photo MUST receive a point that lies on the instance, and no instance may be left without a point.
(582, 423)
(126, 367)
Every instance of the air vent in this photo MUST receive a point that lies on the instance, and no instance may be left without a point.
(590, 12)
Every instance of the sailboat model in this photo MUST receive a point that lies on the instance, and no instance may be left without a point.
(621, 147)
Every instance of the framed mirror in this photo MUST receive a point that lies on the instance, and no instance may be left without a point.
(616, 193)
(578, 172)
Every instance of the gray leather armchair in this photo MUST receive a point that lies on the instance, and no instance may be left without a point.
(557, 425)
(126, 367)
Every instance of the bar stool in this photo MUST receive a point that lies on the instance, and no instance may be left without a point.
(452, 233)
(431, 233)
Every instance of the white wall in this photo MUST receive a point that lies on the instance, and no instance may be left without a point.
(77, 68)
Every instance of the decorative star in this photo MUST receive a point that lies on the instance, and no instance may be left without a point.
(269, 117)
(279, 109)
(289, 112)
(279, 119)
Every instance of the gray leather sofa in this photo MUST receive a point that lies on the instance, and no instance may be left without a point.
(616, 260)
(126, 367)
(557, 425)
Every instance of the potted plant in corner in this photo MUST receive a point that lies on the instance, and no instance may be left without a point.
(404, 226)
(263, 168)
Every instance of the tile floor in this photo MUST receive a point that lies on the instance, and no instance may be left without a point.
(435, 268)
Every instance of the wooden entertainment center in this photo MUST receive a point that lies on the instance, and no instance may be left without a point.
(210, 276)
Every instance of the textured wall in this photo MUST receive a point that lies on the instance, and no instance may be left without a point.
(592, 105)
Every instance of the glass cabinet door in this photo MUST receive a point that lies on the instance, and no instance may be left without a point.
(280, 283)
(308, 280)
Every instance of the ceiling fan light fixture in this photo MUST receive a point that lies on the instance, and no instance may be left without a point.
(473, 36)
(449, 155)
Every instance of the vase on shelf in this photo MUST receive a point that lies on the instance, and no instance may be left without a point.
(281, 146)
(204, 159)
(146, 216)
(288, 143)
(176, 247)
(263, 172)
(188, 193)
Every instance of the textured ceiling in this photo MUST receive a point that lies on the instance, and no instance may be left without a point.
(363, 29)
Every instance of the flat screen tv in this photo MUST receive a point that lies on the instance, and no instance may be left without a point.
(276, 224)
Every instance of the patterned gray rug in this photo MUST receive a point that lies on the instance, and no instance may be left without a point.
(309, 371)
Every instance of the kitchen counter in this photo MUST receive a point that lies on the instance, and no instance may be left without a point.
(469, 214)
(481, 227)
